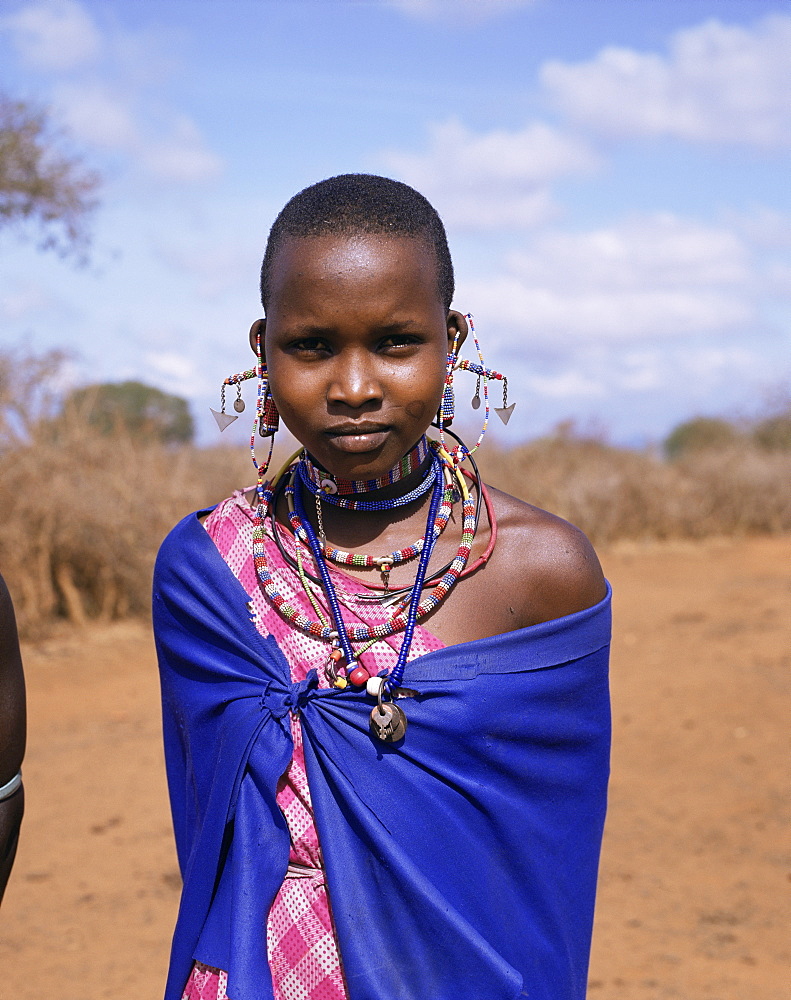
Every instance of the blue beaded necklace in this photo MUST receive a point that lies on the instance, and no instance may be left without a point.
(346, 503)
(434, 478)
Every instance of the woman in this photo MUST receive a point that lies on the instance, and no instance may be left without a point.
(12, 736)
(382, 784)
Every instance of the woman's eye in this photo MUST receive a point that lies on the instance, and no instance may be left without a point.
(310, 345)
(397, 340)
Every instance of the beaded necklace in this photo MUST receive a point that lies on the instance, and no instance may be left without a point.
(370, 505)
(329, 484)
(343, 634)
(411, 619)
(362, 560)
(390, 597)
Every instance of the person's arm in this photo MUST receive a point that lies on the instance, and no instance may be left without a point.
(12, 735)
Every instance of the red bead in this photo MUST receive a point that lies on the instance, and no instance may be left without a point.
(359, 676)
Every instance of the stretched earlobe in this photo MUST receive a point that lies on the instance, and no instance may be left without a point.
(258, 328)
(458, 329)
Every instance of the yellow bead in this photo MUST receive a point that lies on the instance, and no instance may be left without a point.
(340, 682)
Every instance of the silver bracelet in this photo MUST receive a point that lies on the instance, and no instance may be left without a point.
(8, 789)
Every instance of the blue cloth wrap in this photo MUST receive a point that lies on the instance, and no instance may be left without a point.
(461, 864)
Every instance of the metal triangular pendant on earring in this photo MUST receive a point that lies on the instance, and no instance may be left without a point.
(504, 412)
(223, 419)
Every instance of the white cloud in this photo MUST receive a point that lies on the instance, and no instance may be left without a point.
(656, 277)
(495, 179)
(55, 36)
(778, 279)
(182, 156)
(59, 36)
(176, 373)
(710, 365)
(95, 115)
(661, 250)
(217, 263)
(718, 83)
(23, 299)
(641, 371)
(764, 227)
(569, 384)
(457, 10)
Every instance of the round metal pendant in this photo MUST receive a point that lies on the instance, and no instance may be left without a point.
(388, 722)
(238, 405)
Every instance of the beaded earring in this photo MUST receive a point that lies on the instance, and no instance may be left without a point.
(226, 419)
(266, 413)
(503, 412)
(267, 416)
(447, 406)
(269, 421)
(485, 375)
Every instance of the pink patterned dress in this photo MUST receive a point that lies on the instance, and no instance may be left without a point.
(301, 946)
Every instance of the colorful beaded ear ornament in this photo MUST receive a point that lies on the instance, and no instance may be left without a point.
(266, 416)
(446, 412)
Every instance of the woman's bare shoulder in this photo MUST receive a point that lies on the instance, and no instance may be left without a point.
(547, 565)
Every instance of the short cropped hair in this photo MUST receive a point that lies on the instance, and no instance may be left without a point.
(352, 204)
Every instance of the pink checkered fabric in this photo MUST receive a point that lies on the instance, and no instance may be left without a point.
(301, 945)
(206, 983)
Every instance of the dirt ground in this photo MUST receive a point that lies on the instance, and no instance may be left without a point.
(696, 870)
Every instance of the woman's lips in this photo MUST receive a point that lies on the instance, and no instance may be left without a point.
(358, 439)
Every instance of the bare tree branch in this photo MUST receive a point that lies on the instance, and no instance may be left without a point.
(41, 183)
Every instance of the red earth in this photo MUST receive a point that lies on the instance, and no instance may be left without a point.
(696, 868)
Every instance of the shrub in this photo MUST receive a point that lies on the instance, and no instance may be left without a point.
(700, 434)
(774, 433)
(135, 407)
(82, 513)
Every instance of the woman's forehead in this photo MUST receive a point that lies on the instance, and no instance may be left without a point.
(360, 264)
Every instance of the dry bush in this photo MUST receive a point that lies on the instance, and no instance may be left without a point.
(82, 513)
(613, 493)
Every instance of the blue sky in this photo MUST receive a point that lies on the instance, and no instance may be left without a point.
(613, 174)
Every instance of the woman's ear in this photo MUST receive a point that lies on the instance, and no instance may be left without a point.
(457, 329)
(258, 327)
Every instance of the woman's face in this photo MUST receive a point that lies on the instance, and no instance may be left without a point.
(356, 347)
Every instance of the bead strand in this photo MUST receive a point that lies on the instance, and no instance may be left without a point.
(354, 633)
(369, 505)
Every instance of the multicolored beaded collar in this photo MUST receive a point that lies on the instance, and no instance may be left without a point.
(383, 562)
(337, 631)
(332, 487)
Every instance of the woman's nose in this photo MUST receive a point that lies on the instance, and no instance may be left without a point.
(354, 382)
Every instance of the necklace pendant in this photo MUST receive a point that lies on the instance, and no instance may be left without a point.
(331, 668)
(384, 568)
(388, 722)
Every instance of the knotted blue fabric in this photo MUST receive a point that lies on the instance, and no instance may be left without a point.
(460, 864)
